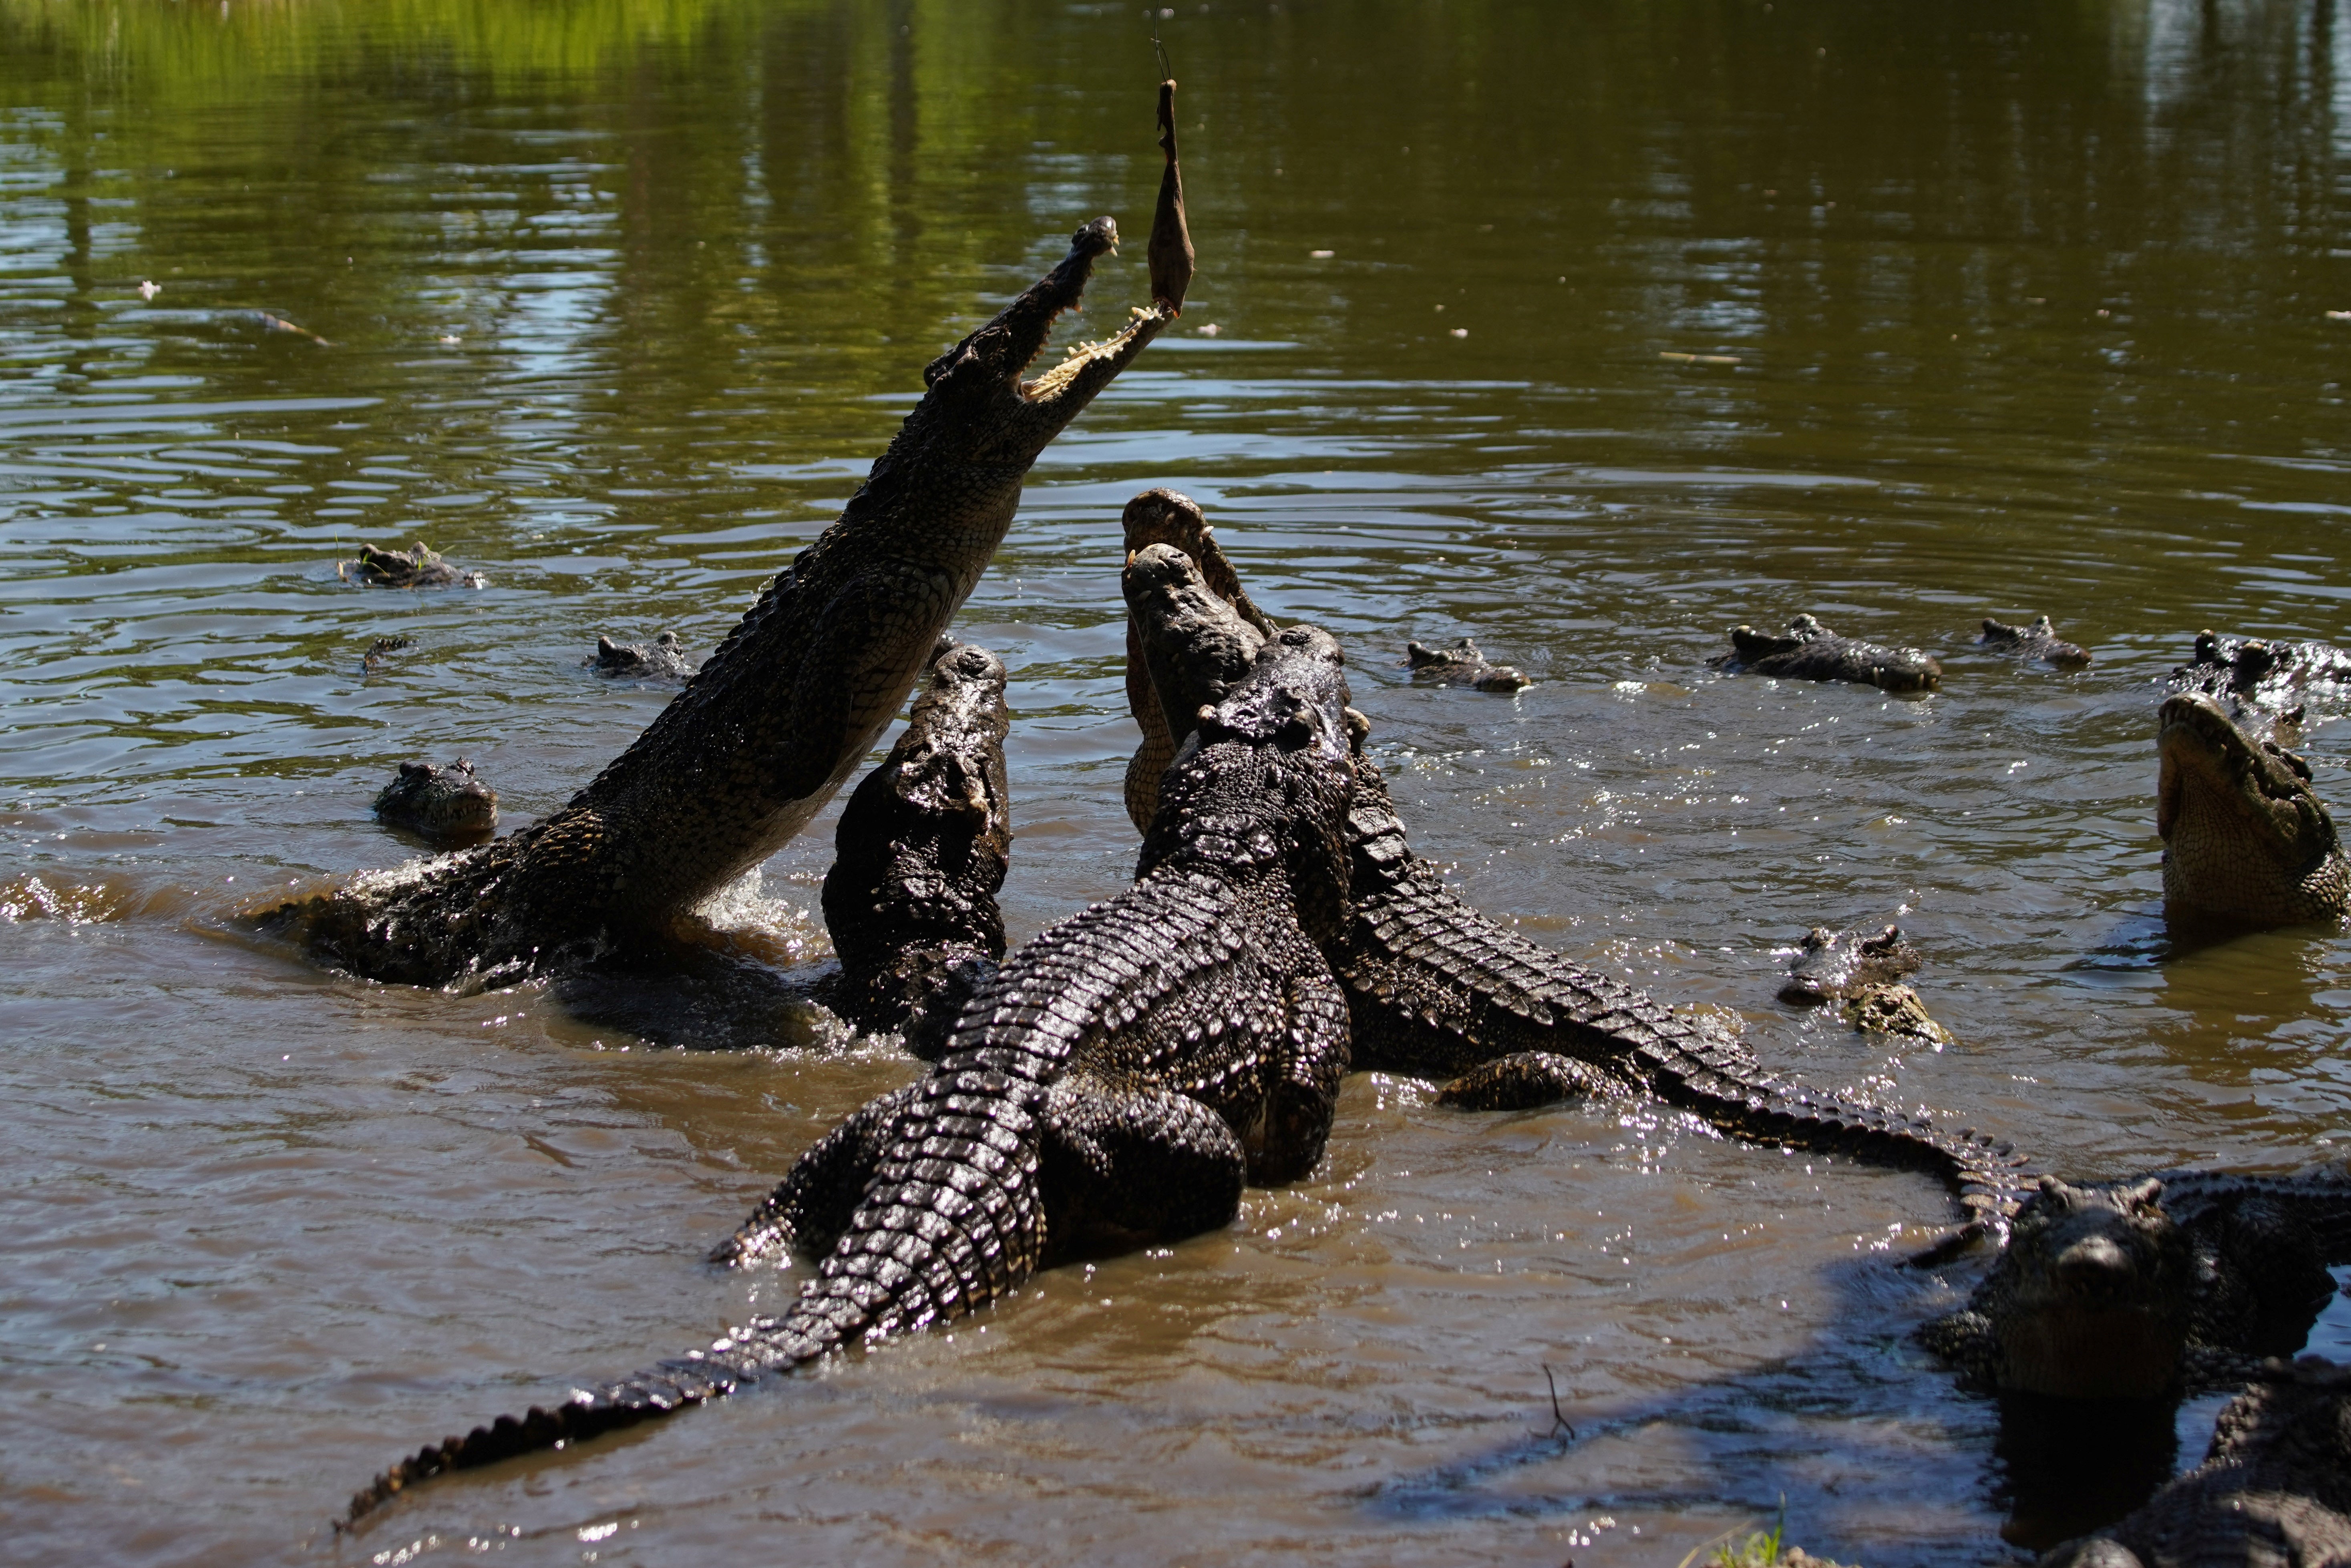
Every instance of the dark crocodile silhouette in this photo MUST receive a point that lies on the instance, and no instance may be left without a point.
(445, 805)
(2273, 1492)
(1461, 664)
(920, 851)
(1809, 651)
(2038, 640)
(1829, 965)
(1436, 990)
(1116, 1082)
(421, 567)
(662, 659)
(2137, 1290)
(2246, 839)
(781, 712)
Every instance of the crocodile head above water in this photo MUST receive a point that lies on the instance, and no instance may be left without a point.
(2092, 1297)
(447, 805)
(2246, 839)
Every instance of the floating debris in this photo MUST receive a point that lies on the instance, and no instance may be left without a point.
(279, 324)
(149, 289)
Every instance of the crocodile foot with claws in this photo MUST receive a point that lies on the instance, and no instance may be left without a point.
(1809, 651)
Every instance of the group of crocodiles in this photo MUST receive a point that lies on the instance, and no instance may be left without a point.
(1121, 1079)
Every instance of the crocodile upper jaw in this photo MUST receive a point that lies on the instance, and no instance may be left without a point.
(2246, 838)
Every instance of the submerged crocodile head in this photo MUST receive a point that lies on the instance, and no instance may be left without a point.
(2246, 838)
(447, 805)
(979, 411)
(2091, 1299)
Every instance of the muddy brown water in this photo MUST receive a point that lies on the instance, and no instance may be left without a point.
(1588, 331)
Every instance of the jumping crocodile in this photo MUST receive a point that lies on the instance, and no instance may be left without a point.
(2273, 1492)
(2037, 641)
(1117, 1081)
(1809, 651)
(662, 659)
(2135, 1290)
(2246, 840)
(920, 851)
(1461, 664)
(446, 805)
(1829, 965)
(1436, 990)
(2276, 679)
(422, 566)
(781, 714)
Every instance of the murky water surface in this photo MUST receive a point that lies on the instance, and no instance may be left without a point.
(1588, 331)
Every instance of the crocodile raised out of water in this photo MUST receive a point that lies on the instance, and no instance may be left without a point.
(920, 851)
(2135, 1290)
(662, 659)
(1115, 1083)
(2273, 1492)
(1436, 990)
(1832, 964)
(1809, 651)
(2036, 641)
(2246, 839)
(422, 566)
(2279, 680)
(1461, 664)
(446, 805)
(781, 714)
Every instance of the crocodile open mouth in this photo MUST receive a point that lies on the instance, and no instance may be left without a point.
(1077, 356)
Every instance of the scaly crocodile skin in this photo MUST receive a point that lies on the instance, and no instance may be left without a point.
(1118, 1080)
(1809, 651)
(1435, 989)
(920, 852)
(2131, 1290)
(2246, 839)
(776, 719)
(2273, 1492)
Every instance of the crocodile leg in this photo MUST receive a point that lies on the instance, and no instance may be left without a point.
(1304, 1096)
(1136, 1164)
(811, 1206)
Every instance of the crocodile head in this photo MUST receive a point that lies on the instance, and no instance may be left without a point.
(2093, 1293)
(1266, 775)
(446, 804)
(978, 408)
(2246, 839)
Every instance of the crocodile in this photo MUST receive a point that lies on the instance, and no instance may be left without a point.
(2277, 679)
(2136, 1290)
(1892, 1009)
(2273, 1492)
(920, 851)
(662, 659)
(781, 714)
(1436, 990)
(2246, 840)
(446, 805)
(1809, 651)
(380, 650)
(423, 567)
(1461, 664)
(2037, 641)
(1116, 1084)
(1832, 964)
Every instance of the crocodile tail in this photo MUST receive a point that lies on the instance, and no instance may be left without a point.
(952, 1221)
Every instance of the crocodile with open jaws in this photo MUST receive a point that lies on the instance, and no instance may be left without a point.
(1116, 1082)
(2246, 840)
(1809, 651)
(2273, 1492)
(2136, 1290)
(1436, 990)
(918, 856)
(778, 717)
(445, 805)
(2038, 640)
